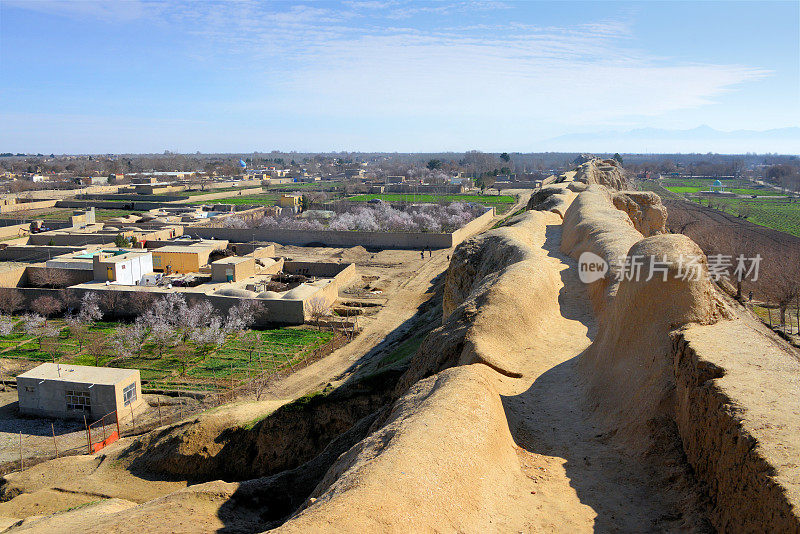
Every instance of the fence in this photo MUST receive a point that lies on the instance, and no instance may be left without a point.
(108, 420)
(93, 437)
(68, 444)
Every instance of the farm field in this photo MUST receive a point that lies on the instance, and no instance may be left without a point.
(309, 186)
(105, 214)
(209, 191)
(739, 187)
(263, 198)
(775, 213)
(101, 214)
(182, 367)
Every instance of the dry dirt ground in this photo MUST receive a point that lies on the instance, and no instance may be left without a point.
(567, 474)
(70, 435)
(399, 280)
(405, 280)
(581, 481)
(37, 435)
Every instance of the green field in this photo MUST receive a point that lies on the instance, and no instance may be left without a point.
(237, 359)
(695, 185)
(211, 191)
(778, 214)
(306, 186)
(262, 199)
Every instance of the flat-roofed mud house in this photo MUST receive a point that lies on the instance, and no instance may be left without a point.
(127, 268)
(233, 269)
(72, 391)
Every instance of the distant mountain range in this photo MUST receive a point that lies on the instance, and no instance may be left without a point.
(698, 140)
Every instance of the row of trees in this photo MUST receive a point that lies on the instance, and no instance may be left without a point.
(785, 176)
(188, 329)
(169, 324)
(778, 274)
(381, 217)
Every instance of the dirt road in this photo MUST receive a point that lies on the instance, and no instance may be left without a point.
(582, 482)
(407, 288)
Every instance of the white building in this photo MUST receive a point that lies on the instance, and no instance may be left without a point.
(125, 269)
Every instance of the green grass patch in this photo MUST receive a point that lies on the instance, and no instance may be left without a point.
(238, 358)
(308, 186)
(403, 352)
(695, 185)
(264, 199)
(777, 214)
(212, 191)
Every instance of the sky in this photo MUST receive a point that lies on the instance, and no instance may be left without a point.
(395, 75)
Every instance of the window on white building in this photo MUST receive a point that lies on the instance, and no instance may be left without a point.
(78, 400)
(129, 394)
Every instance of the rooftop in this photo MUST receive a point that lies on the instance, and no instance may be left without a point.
(79, 373)
(233, 260)
(186, 249)
(122, 257)
(89, 255)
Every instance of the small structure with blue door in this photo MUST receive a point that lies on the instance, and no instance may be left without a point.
(233, 269)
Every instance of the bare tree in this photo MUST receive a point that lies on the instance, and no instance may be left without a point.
(80, 325)
(78, 329)
(11, 300)
(97, 346)
(742, 252)
(184, 353)
(110, 302)
(141, 301)
(48, 340)
(319, 307)
(47, 305)
(784, 282)
(744, 210)
(49, 277)
(251, 344)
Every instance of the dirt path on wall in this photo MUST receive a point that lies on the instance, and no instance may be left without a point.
(581, 482)
(409, 289)
(387, 324)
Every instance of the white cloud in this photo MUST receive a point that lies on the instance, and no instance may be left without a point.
(573, 77)
(364, 60)
(103, 10)
(353, 61)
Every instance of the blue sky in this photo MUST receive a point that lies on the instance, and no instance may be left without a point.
(388, 75)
